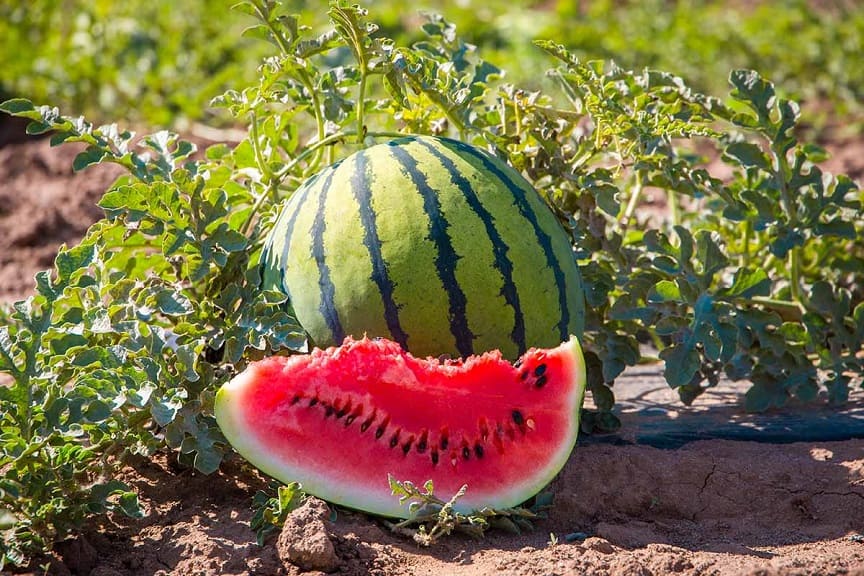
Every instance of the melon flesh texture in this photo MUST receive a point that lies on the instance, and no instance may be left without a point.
(340, 420)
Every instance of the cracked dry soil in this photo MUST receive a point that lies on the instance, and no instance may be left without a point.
(709, 507)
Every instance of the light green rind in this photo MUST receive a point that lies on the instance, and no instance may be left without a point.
(489, 315)
(534, 277)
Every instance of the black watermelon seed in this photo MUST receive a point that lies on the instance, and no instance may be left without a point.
(394, 440)
(444, 442)
(523, 375)
(518, 418)
(406, 447)
(295, 399)
(328, 410)
(342, 410)
(541, 381)
(313, 401)
(478, 450)
(422, 443)
(379, 431)
(349, 420)
(540, 370)
(365, 425)
(466, 452)
(434, 457)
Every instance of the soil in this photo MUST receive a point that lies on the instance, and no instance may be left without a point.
(620, 506)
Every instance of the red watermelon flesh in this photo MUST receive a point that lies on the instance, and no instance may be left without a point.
(340, 420)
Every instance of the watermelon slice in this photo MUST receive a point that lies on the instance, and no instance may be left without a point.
(340, 420)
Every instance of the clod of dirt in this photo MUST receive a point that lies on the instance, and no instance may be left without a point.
(305, 540)
(79, 556)
(633, 534)
(599, 545)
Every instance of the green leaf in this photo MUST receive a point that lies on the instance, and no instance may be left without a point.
(173, 303)
(686, 247)
(17, 106)
(749, 282)
(682, 363)
(124, 197)
(97, 411)
(709, 254)
(606, 197)
(207, 459)
(164, 411)
(70, 260)
(620, 351)
(90, 156)
(8, 353)
(836, 227)
(766, 207)
(664, 291)
(834, 304)
(229, 240)
(785, 240)
(763, 396)
(186, 359)
(751, 88)
(128, 503)
(748, 155)
(711, 342)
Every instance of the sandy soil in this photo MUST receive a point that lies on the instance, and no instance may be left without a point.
(711, 507)
(707, 507)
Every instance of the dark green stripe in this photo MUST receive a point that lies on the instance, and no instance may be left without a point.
(380, 275)
(327, 306)
(528, 213)
(445, 256)
(499, 247)
(296, 203)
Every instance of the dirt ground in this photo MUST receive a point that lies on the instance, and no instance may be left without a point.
(705, 507)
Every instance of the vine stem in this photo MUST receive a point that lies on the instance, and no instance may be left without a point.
(316, 109)
(788, 310)
(361, 105)
(310, 149)
(624, 221)
(285, 47)
(256, 149)
(748, 236)
(781, 176)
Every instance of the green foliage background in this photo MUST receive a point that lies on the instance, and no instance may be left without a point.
(158, 62)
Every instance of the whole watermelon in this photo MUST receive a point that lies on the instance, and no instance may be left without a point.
(429, 242)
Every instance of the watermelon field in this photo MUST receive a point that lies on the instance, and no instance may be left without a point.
(591, 275)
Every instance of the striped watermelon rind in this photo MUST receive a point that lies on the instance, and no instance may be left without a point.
(429, 242)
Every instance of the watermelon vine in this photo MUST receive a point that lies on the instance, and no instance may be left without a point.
(755, 276)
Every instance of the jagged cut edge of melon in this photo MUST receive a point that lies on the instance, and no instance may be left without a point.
(380, 502)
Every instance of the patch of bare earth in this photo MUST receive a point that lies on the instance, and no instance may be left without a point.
(710, 507)
(43, 204)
